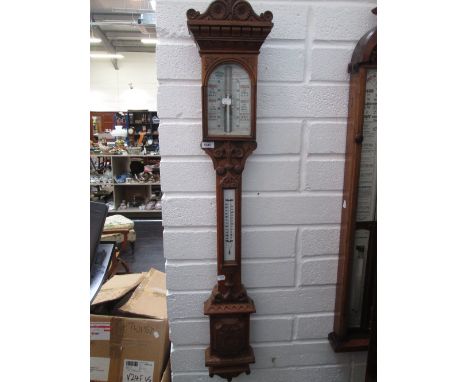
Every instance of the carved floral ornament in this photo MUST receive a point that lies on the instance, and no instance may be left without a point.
(229, 10)
(229, 160)
(229, 25)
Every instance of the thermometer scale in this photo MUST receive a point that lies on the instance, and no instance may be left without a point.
(229, 224)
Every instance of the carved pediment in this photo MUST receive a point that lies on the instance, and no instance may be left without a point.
(240, 10)
(229, 25)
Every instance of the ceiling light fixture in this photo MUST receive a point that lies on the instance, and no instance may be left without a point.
(148, 41)
(94, 40)
(106, 55)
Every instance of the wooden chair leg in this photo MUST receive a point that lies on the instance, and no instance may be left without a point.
(124, 265)
(114, 264)
(124, 243)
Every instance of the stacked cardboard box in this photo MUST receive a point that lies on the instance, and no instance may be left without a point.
(130, 335)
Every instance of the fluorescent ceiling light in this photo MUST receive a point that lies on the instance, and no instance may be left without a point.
(106, 55)
(148, 41)
(94, 40)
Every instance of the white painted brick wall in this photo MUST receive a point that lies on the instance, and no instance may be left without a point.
(330, 63)
(320, 241)
(319, 271)
(292, 190)
(326, 138)
(264, 329)
(268, 355)
(281, 63)
(178, 62)
(302, 101)
(255, 274)
(331, 21)
(315, 326)
(270, 137)
(325, 174)
(179, 101)
(319, 374)
(274, 242)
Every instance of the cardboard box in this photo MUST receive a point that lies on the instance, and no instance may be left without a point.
(167, 373)
(136, 348)
(117, 287)
(149, 298)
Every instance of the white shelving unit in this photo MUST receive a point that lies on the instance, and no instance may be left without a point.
(131, 191)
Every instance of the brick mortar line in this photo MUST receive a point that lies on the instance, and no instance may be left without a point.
(269, 344)
(343, 44)
(256, 317)
(286, 2)
(270, 194)
(171, 158)
(319, 83)
(285, 368)
(192, 82)
(254, 228)
(211, 227)
(271, 290)
(319, 257)
(207, 261)
(308, 47)
(171, 121)
(324, 157)
(283, 44)
(298, 255)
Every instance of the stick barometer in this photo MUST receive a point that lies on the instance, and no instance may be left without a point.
(229, 35)
(355, 300)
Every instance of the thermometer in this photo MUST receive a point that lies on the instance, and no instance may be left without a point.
(229, 220)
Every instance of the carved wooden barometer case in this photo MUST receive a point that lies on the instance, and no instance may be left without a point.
(229, 35)
(355, 303)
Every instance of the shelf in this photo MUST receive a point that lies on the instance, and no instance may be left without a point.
(125, 184)
(125, 156)
(137, 184)
(134, 210)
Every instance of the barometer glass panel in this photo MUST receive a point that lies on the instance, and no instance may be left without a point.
(229, 94)
(366, 211)
(367, 191)
(360, 250)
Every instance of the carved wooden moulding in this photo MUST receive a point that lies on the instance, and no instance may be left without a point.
(365, 52)
(229, 25)
(229, 353)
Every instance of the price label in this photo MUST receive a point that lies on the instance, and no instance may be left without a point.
(137, 371)
(207, 145)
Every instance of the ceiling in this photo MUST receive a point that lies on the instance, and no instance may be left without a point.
(121, 24)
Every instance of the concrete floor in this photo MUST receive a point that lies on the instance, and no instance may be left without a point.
(148, 247)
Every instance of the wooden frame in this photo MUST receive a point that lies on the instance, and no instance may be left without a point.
(229, 31)
(343, 338)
